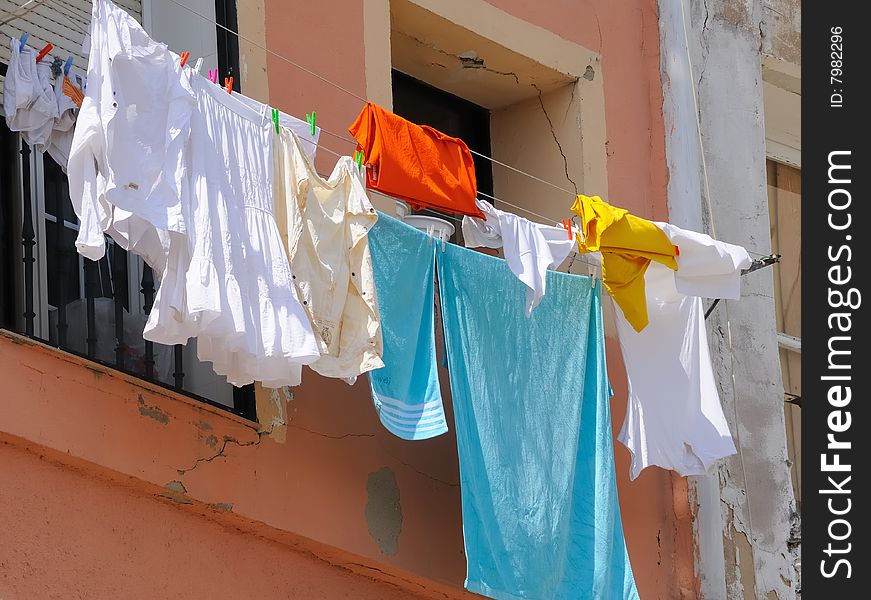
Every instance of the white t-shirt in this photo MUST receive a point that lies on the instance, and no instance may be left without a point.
(530, 248)
(674, 418)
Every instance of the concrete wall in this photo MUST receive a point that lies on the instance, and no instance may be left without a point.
(745, 511)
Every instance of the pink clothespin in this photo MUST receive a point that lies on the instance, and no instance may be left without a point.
(213, 75)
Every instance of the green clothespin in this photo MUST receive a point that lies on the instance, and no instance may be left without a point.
(358, 158)
(310, 118)
(275, 119)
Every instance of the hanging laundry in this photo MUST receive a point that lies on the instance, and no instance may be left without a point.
(61, 140)
(541, 518)
(28, 97)
(628, 245)
(415, 163)
(674, 418)
(406, 390)
(127, 149)
(302, 129)
(325, 224)
(530, 248)
(230, 283)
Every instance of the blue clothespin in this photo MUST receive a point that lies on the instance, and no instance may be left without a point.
(68, 64)
(310, 118)
(358, 158)
(22, 41)
(275, 119)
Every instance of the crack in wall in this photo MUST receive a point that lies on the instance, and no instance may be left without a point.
(422, 473)
(705, 49)
(332, 437)
(555, 139)
(228, 439)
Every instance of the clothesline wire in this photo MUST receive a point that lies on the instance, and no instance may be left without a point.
(479, 154)
(22, 10)
(351, 141)
(351, 93)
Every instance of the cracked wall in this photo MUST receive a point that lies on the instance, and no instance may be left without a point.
(745, 509)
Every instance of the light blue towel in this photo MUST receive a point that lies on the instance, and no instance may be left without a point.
(541, 518)
(406, 390)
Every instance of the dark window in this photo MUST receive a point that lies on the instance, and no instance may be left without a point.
(424, 104)
(228, 43)
(10, 228)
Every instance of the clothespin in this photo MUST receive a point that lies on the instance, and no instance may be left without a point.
(22, 41)
(228, 84)
(593, 281)
(358, 158)
(68, 64)
(567, 225)
(184, 57)
(213, 75)
(310, 118)
(45, 50)
(275, 120)
(198, 65)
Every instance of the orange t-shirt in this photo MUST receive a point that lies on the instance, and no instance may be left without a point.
(416, 163)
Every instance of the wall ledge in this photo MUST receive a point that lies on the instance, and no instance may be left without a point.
(108, 425)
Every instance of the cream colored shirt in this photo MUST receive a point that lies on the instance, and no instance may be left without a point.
(325, 224)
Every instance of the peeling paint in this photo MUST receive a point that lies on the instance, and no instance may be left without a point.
(383, 510)
(222, 506)
(175, 491)
(211, 441)
(152, 412)
(204, 426)
(176, 486)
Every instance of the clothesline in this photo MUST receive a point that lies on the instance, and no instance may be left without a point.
(357, 96)
(351, 141)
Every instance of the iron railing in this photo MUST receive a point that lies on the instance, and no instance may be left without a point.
(104, 280)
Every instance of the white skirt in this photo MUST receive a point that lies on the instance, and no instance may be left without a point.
(228, 281)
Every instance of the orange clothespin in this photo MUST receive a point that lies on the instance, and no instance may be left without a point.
(228, 84)
(46, 49)
(677, 250)
(184, 57)
(567, 225)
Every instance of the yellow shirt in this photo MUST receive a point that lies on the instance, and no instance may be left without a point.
(628, 244)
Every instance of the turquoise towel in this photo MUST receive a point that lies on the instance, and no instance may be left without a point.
(530, 395)
(406, 390)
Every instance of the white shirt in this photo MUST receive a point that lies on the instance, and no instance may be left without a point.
(131, 130)
(530, 248)
(325, 224)
(674, 418)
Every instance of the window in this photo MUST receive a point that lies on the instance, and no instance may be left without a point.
(784, 207)
(96, 309)
(424, 104)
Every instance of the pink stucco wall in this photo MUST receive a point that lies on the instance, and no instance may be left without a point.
(152, 487)
(655, 507)
(65, 533)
